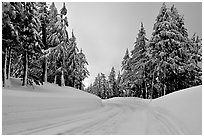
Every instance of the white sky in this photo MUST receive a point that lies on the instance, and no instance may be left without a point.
(105, 30)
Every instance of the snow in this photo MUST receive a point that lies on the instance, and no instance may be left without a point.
(24, 107)
(186, 106)
(50, 109)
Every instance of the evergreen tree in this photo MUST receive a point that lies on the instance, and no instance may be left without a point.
(97, 86)
(10, 38)
(82, 71)
(44, 19)
(138, 61)
(73, 58)
(170, 51)
(35, 36)
(24, 26)
(125, 73)
(118, 84)
(100, 87)
(30, 40)
(125, 62)
(59, 40)
(112, 82)
(104, 87)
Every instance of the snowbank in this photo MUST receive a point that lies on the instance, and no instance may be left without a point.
(22, 105)
(50, 109)
(185, 105)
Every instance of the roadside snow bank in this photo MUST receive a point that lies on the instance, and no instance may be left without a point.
(185, 105)
(21, 105)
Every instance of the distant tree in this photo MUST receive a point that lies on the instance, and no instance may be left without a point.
(119, 89)
(112, 82)
(100, 87)
(104, 87)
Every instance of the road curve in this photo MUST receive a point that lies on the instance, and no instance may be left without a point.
(115, 117)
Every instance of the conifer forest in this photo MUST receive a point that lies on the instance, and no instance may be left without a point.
(37, 48)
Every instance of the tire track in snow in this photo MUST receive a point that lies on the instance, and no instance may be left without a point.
(110, 125)
(66, 120)
(161, 122)
(134, 117)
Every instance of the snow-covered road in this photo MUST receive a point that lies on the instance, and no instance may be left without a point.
(119, 116)
(50, 109)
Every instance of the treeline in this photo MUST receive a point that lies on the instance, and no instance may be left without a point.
(36, 46)
(165, 63)
(106, 87)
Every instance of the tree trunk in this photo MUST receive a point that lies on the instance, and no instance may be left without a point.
(4, 69)
(9, 64)
(80, 85)
(44, 65)
(152, 87)
(55, 79)
(62, 78)
(44, 73)
(73, 79)
(146, 90)
(8, 82)
(25, 71)
(164, 89)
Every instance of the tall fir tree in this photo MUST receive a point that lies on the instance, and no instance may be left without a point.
(125, 73)
(73, 57)
(112, 82)
(170, 52)
(59, 40)
(118, 84)
(104, 87)
(82, 71)
(44, 19)
(138, 61)
(29, 36)
(10, 38)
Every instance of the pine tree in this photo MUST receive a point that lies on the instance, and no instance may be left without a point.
(170, 51)
(138, 63)
(23, 26)
(73, 58)
(10, 39)
(97, 86)
(118, 84)
(29, 37)
(104, 87)
(160, 47)
(44, 19)
(35, 36)
(112, 82)
(125, 62)
(59, 39)
(196, 54)
(125, 73)
(82, 71)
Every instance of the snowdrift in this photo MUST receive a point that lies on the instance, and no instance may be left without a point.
(185, 106)
(23, 105)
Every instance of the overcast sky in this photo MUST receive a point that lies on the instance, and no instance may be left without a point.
(105, 30)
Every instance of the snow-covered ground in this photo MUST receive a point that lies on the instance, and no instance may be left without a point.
(50, 109)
